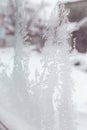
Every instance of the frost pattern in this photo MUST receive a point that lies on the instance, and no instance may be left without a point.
(44, 102)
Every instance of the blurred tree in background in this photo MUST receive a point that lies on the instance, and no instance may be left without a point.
(33, 21)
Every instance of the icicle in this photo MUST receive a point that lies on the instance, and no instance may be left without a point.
(19, 78)
(57, 62)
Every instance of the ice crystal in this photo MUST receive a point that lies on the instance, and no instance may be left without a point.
(52, 92)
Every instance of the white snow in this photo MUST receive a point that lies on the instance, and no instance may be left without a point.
(79, 75)
(15, 122)
(80, 96)
(12, 121)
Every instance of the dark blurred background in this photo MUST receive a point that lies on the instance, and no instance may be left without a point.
(35, 22)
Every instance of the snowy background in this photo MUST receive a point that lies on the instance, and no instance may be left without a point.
(79, 74)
